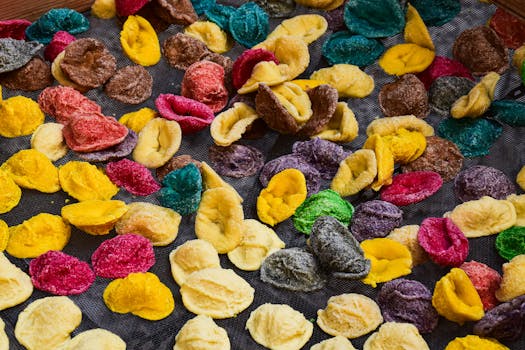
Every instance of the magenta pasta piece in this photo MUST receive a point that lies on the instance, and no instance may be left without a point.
(133, 177)
(192, 116)
(411, 187)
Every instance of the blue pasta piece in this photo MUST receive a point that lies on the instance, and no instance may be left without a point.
(436, 12)
(374, 19)
(508, 111)
(249, 24)
(182, 190)
(220, 15)
(473, 137)
(344, 47)
(200, 6)
(56, 20)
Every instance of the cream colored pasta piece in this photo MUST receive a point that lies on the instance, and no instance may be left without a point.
(158, 224)
(228, 126)
(279, 327)
(4, 340)
(307, 27)
(478, 100)
(267, 72)
(349, 80)
(219, 219)
(512, 283)
(191, 256)
(216, 292)
(48, 140)
(342, 127)
(210, 179)
(394, 336)
(295, 100)
(483, 217)
(390, 125)
(158, 141)
(215, 39)
(94, 216)
(518, 201)
(201, 333)
(520, 178)
(46, 323)
(407, 235)
(335, 343)
(349, 315)
(95, 339)
(258, 241)
(355, 172)
(15, 284)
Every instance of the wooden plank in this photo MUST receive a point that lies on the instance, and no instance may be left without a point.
(31, 10)
(516, 7)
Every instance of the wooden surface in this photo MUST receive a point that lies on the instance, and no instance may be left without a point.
(516, 7)
(32, 9)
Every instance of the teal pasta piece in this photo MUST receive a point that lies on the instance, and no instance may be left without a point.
(508, 111)
(220, 15)
(374, 19)
(511, 242)
(182, 189)
(249, 24)
(55, 20)
(324, 203)
(474, 137)
(346, 48)
(200, 6)
(436, 12)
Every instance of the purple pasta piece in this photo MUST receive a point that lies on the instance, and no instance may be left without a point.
(480, 180)
(375, 219)
(504, 322)
(323, 155)
(113, 153)
(236, 160)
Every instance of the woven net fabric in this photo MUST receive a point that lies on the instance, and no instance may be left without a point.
(507, 154)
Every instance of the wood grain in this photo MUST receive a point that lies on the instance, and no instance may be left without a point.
(31, 10)
(516, 7)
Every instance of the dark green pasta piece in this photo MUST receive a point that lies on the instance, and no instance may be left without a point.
(473, 137)
(344, 47)
(511, 242)
(508, 111)
(436, 12)
(55, 20)
(249, 24)
(182, 190)
(323, 203)
(220, 15)
(374, 19)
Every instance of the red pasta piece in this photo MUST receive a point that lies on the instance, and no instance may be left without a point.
(191, 115)
(60, 274)
(444, 242)
(122, 255)
(63, 103)
(486, 281)
(133, 177)
(204, 82)
(509, 28)
(243, 65)
(443, 67)
(412, 187)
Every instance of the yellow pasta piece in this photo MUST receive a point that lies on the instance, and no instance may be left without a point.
(295, 100)
(4, 235)
(96, 217)
(228, 126)
(355, 172)
(215, 39)
(384, 158)
(483, 217)
(105, 9)
(308, 27)
(219, 219)
(406, 146)
(285, 192)
(19, 116)
(31, 169)
(473, 342)
(416, 31)
(216, 292)
(139, 41)
(84, 181)
(10, 194)
(478, 100)
(37, 235)
(267, 72)
(158, 141)
(456, 299)
(137, 120)
(347, 79)
(389, 259)
(307, 84)
(142, 294)
(406, 58)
